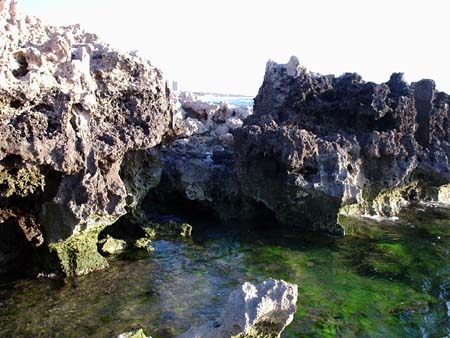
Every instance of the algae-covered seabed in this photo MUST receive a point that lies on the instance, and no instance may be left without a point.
(385, 280)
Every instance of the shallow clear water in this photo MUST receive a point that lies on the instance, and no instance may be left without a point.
(386, 280)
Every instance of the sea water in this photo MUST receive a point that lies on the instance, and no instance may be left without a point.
(386, 279)
(234, 100)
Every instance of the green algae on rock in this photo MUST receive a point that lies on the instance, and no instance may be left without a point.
(25, 182)
(111, 245)
(173, 229)
(167, 230)
(390, 202)
(144, 244)
(268, 327)
(78, 254)
(341, 294)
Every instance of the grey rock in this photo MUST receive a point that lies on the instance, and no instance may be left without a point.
(73, 111)
(320, 142)
(261, 310)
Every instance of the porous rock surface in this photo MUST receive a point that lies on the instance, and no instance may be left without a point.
(318, 142)
(253, 310)
(72, 109)
(199, 167)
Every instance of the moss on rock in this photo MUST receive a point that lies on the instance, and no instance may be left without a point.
(145, 244)
(388, 202)
(111, 245)
(145, 241)
(78, 254)
(173, 229)
(269, 327)
(25, 182)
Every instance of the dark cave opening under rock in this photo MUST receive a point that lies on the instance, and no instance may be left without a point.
(165, 203)
(15, 249)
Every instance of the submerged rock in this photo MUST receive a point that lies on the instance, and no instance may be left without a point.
(259, 311)
(111, 245)
(444, 194)
(173, 229)
(144, 242)
(73, 109)
(318, 142)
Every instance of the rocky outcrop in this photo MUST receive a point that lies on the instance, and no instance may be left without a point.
(253, 311)
(74, 112)
(199, 177)
(216, 120)
(316, 143)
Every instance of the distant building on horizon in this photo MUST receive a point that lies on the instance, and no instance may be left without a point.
(175, 86)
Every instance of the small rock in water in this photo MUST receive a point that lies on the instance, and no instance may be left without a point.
(173, 229)
(111, 245)
(261, 310)
(145, 244)
(133, 334)
(51, 275)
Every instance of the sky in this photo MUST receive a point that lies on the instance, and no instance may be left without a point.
(223, 45)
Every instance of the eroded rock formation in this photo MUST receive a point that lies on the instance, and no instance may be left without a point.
(81, 123)
(199, 176)
(73, 111)
(316, 143)
(253, 311)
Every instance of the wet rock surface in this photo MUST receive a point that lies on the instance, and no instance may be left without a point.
(72, 109)
(319, 142)
(262, 310)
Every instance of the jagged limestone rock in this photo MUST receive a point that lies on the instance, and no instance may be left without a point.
(253, 311)
(317, 142)
(73, 112)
